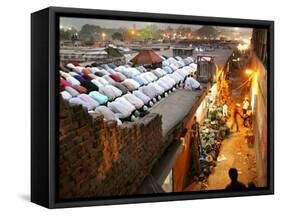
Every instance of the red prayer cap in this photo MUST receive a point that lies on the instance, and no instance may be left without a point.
(64, 82)
(116, 78)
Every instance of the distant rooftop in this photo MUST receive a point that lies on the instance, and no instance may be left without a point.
(220, 55)
(183, 48)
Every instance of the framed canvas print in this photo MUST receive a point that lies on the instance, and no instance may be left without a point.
(138, 107)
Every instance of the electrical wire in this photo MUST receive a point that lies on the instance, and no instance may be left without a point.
(244, 83)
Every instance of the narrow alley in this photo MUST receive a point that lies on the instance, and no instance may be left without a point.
(235, 152)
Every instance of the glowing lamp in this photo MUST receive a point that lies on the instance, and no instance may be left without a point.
(248, 71)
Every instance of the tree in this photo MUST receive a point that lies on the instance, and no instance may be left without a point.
(117, 36)
(183, 30)
(169, 29)
(149, 32)
(207, 31)
(90, 32)
(67, 33)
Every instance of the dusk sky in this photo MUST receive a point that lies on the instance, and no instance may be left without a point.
(79, 22)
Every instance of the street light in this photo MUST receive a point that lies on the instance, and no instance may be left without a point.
(242, 47)
(103, 35)
(248, 71)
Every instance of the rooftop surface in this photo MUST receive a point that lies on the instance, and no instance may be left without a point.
(175, 107)
(173, 110)
(220, 55)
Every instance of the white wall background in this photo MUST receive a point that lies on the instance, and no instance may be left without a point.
(15, 106)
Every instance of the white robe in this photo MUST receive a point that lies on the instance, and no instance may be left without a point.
(191, 83)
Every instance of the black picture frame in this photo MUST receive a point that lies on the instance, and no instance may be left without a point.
(44, 104)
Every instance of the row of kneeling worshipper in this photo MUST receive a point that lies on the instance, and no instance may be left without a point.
(124, 92)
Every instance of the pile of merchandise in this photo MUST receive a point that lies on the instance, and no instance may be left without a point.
(122, 93)
(212, 133)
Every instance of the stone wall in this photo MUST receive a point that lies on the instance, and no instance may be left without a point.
(259, 106)
(98, 158)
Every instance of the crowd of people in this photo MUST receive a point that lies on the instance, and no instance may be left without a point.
(124, 92)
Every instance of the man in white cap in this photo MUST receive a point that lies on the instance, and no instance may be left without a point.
(225, 110)
(246, 105)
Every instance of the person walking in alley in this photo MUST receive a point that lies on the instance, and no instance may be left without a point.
(246, 112)
(234, 184)
(235, 118)
(225, 110)
(246, 105)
